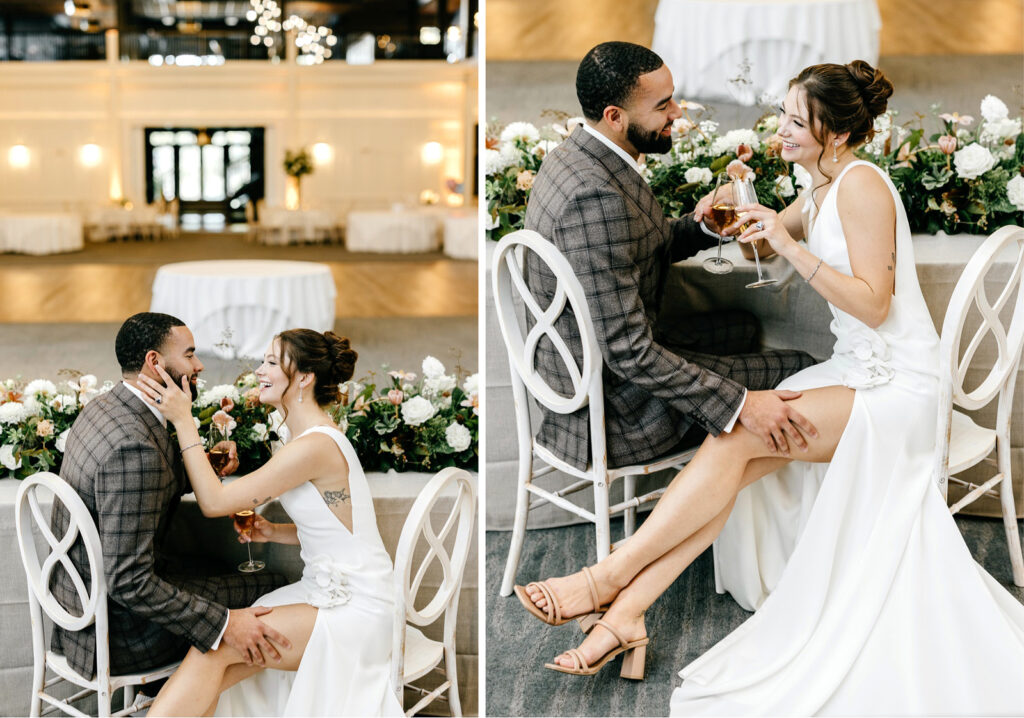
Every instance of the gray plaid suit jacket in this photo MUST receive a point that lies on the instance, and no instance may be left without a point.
(127, 469)
(603, 217)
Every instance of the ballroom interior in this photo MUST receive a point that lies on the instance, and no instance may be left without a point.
(143, 152)
(937, 51)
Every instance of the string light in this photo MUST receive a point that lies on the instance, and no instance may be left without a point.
(313, 41)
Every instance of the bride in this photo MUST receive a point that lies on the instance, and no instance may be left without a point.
(338, 616)
(867, 600)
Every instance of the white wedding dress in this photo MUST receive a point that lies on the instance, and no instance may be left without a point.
(867, 600)
(345, 670)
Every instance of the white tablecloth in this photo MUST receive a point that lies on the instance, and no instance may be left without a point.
(103, 224)
(40, 233)
(403, 231)
(291, 226)
(235, 307)
(462, 236)
(706, 42)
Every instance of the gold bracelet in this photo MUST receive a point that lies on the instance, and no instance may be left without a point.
(191, 446)
(816, 268)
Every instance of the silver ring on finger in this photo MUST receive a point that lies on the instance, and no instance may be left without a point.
(759, 225)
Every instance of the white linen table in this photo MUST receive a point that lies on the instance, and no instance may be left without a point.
(235, 307)
(462, 236)
(291, 226)
(40, 232)
(401, 232)
(708, 43)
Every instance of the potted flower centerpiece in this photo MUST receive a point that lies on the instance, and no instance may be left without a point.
(297, 163)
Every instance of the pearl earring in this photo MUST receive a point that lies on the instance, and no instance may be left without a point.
(300, 397)
(835, 156)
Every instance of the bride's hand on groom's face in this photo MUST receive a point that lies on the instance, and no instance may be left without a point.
(173, 401)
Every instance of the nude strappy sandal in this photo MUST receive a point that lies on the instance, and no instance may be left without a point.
(552, 613)
(633, 662)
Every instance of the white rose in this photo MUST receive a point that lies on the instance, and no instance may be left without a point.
(698, 174)
(519, 131)
(260, 431)
(417, 410)
(1015, 192)
(472, 384)
(458, 436)
(7, 457)
(432, 368)
(62, 440)
(973, 161)
(40, 386)
(993, 109)
(491, 222)
(803, 177)
(785, 185)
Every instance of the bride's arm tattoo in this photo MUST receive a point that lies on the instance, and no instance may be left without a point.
(334, 497)
(257, 502)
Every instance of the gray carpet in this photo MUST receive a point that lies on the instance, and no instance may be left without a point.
(523, 90)
(687, 620)
(41, 350)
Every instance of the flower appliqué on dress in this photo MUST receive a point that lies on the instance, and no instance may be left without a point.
(866, 357)
(331, 584)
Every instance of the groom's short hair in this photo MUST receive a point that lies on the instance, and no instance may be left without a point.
(609, 73)
(139, 334)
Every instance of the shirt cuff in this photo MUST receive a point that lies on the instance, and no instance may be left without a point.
(216, 644)
(736, 416)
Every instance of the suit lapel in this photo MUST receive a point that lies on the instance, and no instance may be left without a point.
(159, 433)
(628, 180)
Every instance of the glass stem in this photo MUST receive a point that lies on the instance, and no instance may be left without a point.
(719, 260)
(757, 260)
(248, 548)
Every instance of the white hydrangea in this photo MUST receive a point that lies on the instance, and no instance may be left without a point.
(40, 386)
(698, 174)
(472, 384)
(432, 368)
(499, 160)
(417, 410)
(7, 459)
(458, 436)
(519, 131)
(1015, 192)
(993, 109)
(13, 412)
(33, 407)
(998, 130)
(732, 139)
(437, 386)
(785, 185)
(64, 403)
(215, 394)
(62, 440)
(260, 431)
(973, 161)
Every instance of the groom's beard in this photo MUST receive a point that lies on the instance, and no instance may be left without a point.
(176, 376)
(648, 142)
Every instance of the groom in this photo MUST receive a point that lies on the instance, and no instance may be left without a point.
(124, 464)
(590, 199)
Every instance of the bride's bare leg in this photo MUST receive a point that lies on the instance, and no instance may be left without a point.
(699, 494)
(195, 686)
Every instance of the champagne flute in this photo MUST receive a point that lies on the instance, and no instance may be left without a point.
(743, 192)
(245, 520)
(723, 212)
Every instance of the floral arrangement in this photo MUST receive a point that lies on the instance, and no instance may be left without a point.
(297, 163)
(958, 180)
(410, 424)
(433, 424)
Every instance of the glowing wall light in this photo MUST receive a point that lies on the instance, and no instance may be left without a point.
(323, 153)
(18, 156)
(90, 155)
(432, 153)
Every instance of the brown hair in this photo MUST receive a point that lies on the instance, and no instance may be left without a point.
(843, 98)
(327, 356)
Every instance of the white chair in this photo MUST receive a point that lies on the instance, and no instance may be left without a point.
(508, 271)
(962, 442)
(28, 514)
(414, 655)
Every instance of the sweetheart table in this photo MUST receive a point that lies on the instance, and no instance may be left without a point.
(215, 541)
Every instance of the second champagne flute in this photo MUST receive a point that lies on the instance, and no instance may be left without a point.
(245, 520)
(723, 212)
(743, 193)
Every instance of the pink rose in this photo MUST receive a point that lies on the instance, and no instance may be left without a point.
(947, 143)
(44, 429)
(524, 180)
(744, 153)
(396, 396)
(737, 169)
(252, 397)
(227, 404)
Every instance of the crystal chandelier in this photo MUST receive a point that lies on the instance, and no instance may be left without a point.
(313, 41)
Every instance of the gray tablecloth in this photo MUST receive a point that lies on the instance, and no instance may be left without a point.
(792, 316)
(194, 535)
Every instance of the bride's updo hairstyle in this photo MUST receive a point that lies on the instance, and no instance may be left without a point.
(843, 98)
(326, 356)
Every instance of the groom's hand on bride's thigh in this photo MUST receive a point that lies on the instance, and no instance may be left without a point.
(769, 415)
(251, 637)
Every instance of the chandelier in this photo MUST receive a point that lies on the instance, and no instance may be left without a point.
(314, 42)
